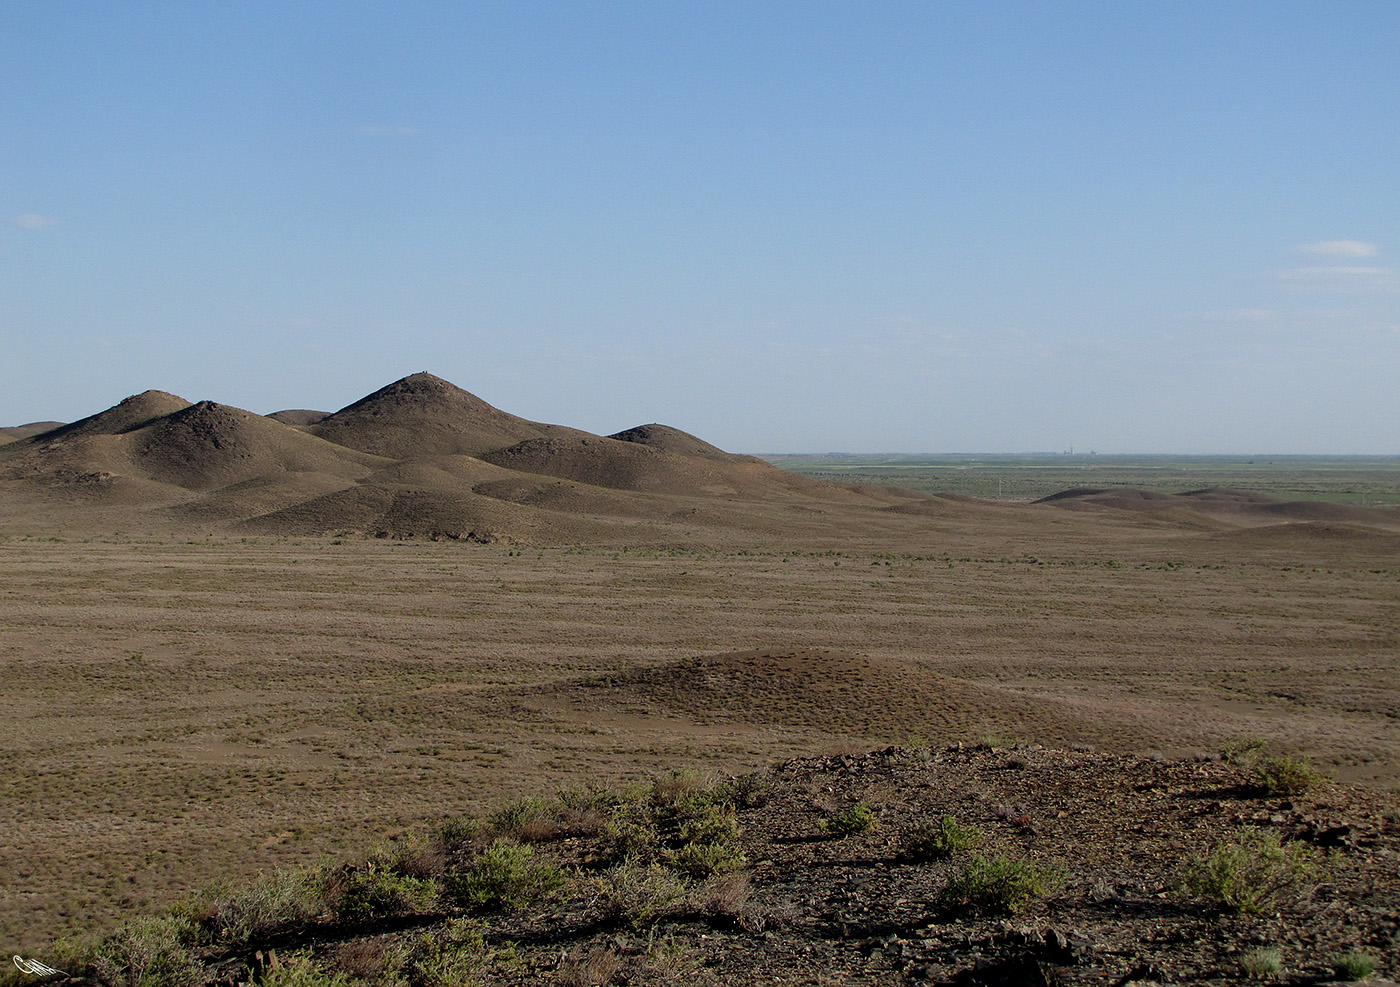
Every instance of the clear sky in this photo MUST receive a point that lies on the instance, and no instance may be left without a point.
(783, 226)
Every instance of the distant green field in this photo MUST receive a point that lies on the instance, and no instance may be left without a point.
(1364, 480)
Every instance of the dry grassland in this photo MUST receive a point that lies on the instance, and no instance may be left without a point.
(180, 711)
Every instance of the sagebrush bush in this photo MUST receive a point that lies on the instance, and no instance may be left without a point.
(677, 821)
(940, 839)
(1243, 750)
(1286, 775)
(639, 893)
(748, 791)
(283, 902)
(149, 952)
(455, 954)
(458, 832)
(514, 816)
(300, 971)
(373, 892)
(414, 855)
(859, 818)
(1247, 872)
(999, 885)
(506, 875)
(703, 859)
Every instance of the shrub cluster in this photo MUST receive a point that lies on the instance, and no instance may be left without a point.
(996, 884)
(1247, 872)
(940, 839)
(859, 818)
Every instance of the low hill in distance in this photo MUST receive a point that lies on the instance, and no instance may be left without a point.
(418, 458)
(13, 433)
(424, 458)
(1217, 502)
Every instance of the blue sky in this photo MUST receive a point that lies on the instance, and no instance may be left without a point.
(785, 227)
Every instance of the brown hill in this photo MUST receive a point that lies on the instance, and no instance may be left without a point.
(625, 465)
(422, 415)
(668, 439)
(299, 416)
(420, 457)
(125, 416)
(13, 433)
(1354, 538)
(209, 445)
(206, 461)
(818, 688)
(1243, 505)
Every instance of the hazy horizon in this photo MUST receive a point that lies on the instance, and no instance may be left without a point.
(791, 227)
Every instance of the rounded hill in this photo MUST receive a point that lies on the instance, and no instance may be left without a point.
(423, 415)
(668, 439)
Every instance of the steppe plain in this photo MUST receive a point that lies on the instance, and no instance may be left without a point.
(232, 644)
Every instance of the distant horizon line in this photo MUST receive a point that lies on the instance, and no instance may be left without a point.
(1092, 455)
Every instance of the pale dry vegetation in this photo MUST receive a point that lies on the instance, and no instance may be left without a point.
(180, 711)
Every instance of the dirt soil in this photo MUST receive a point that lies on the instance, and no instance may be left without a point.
(860, 910)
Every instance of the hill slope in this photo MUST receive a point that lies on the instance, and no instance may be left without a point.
(417, 458)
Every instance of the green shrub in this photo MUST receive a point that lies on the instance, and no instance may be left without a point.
(459, 832)
(149, 952)
(414, 855)
(1354, 965)
(1244, 874)
(940, 840)
(999, 885)
(454, 954)
(748, 791)
(300, 971)
(639, 893)
(997, 742)
(633, 837)
(857, 819)
(283, 902)
(1242, 750)
(514, 816)
(704, 859)
(1286, 775)
(1262, 963)
(714, 823)
(374, 892)
(506, 875)
(678, 821)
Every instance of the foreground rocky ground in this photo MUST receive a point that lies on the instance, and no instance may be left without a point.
(994, 864)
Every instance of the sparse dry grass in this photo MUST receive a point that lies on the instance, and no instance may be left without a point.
(186, 710)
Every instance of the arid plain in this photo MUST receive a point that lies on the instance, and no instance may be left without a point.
(229, 647)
